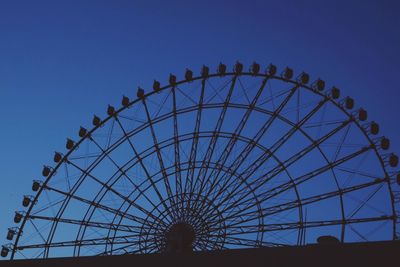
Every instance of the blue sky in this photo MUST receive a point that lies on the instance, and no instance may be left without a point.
(63, 61)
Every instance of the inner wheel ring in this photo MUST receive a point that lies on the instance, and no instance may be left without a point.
(205, 232)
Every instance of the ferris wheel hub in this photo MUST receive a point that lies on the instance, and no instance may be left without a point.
(180, 237)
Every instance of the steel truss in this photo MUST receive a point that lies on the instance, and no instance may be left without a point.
(245, 159)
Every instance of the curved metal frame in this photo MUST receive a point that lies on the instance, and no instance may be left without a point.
(195, 135)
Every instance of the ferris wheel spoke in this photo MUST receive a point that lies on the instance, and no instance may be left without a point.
(133, 248)
(292, 159)
(297, 181)
(281, 141)
(127, 239)
(193, 151)
(203, 244)
(250, 146)
(251, 229)
(103, 225)
(252, 105)
(127, 249)
(228, 148)
(106, 154)
(246, 216)
(123, 197)
(140, 160)
(154, 187)
(160, 159)
(265, 156)
(257, 183)
(239, 241)
(100, 206)
(149, 249)
(201, 177)
(264, 128)
(178, 174)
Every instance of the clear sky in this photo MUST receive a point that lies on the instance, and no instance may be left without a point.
(63, 61)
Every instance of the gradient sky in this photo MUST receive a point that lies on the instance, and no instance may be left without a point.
(63, 61)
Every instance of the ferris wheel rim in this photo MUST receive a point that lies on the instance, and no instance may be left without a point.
(170, 86)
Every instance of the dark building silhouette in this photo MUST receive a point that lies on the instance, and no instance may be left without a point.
(357, 254)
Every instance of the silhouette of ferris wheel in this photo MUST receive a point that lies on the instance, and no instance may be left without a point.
(224, 160)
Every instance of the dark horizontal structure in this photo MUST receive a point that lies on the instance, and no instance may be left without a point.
(356, 254)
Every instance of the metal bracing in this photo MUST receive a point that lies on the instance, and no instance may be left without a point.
(241, 159)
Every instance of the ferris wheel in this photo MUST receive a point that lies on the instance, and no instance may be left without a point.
(225, 160)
